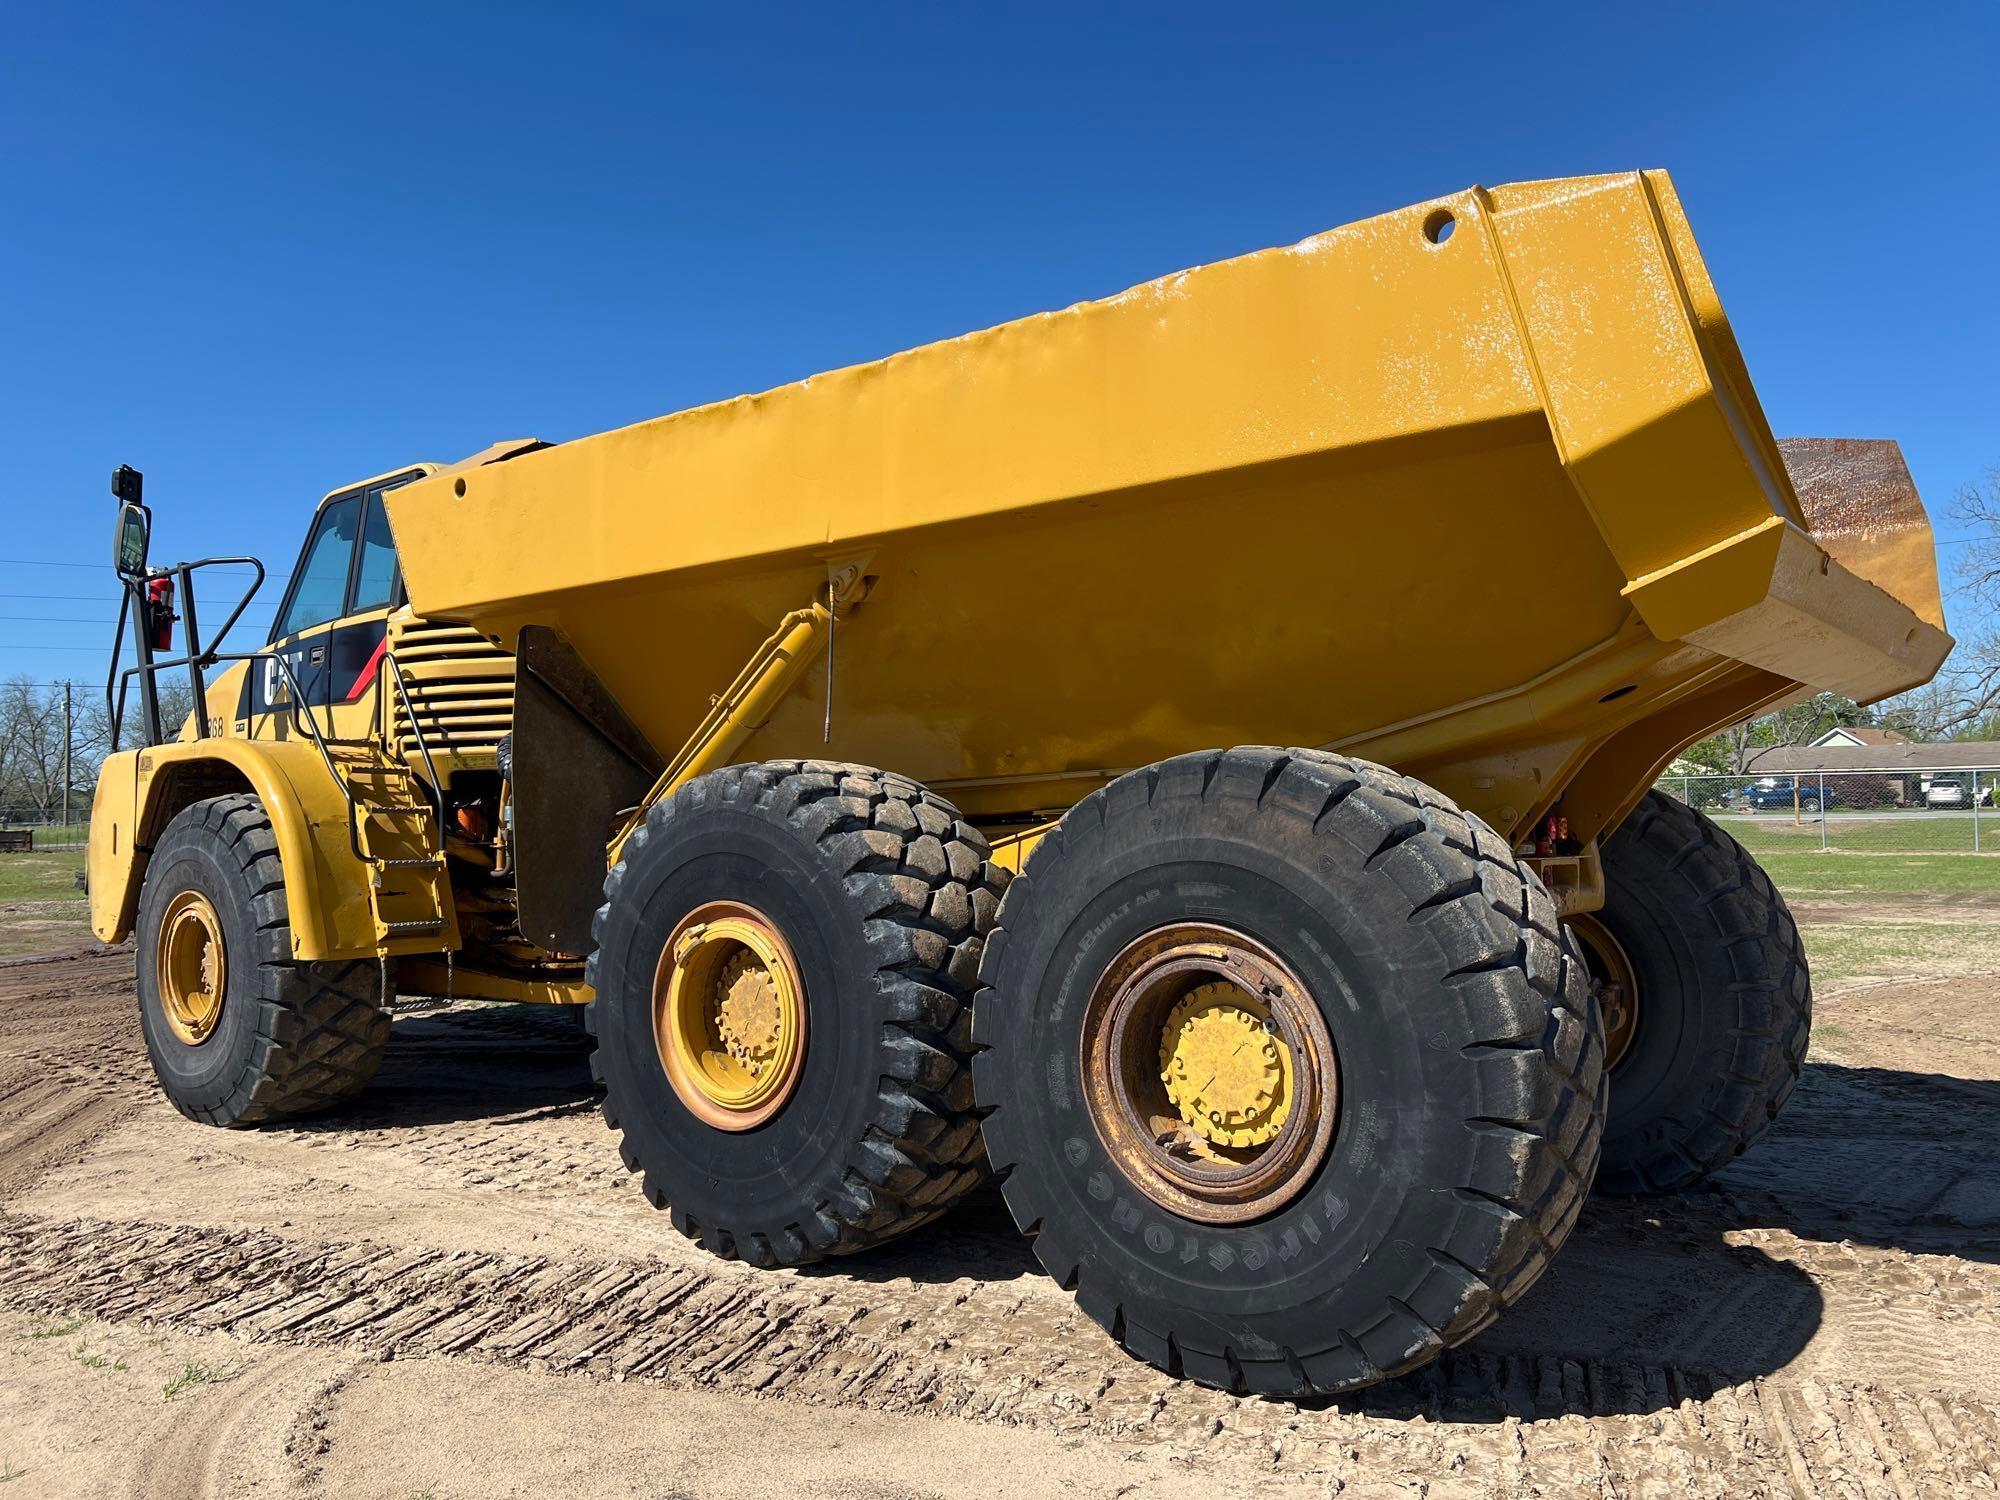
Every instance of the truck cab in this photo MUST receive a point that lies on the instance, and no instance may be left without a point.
(370, 737)
(331, 628)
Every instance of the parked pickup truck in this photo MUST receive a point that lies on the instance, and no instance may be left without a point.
(1785, 792)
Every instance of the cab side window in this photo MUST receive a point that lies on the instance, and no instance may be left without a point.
(320, 589)
(375, 574)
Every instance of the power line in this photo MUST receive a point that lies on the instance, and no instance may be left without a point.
(93, 599)
(80, 598)
(77, 619)
(50, 562)
(59, 619)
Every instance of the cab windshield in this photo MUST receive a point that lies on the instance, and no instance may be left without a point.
(320, 589)
(335, 578)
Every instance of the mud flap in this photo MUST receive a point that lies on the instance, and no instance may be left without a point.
(578, 760)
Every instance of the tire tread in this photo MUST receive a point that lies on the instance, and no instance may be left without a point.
(1525, 987)
(897, 849)
(1677, 851)
(321, 1031)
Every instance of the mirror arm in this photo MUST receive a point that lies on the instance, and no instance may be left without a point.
(209, 657)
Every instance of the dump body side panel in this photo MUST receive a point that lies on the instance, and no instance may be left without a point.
(1476, 505)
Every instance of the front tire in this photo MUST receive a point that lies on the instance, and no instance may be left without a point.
(853, 906)
(1722, 1002)
(238, 1031)
(1463, 1082)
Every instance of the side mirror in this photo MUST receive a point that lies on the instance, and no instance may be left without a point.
(134, 531)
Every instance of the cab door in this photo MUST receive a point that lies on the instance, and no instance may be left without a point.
(332, 629)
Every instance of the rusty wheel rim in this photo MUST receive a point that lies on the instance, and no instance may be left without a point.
(729, 1016)
(1209, 1073)
(1616, 983)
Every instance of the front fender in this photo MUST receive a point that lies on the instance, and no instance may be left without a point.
(140, 791)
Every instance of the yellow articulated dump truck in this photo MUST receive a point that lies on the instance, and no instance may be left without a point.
(896, 764)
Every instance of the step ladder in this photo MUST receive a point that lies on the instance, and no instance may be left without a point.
(395, 828)
(395, 820)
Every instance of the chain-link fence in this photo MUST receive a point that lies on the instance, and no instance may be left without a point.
(1947, 810)
(29, 828)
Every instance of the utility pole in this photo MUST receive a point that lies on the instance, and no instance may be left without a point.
(66, 739)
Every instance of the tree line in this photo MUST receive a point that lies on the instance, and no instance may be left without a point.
(34, 729)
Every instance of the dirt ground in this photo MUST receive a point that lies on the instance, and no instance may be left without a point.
(452, 1289)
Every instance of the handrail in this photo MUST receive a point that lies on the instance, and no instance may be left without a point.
(309, 726)
(197, 660)
(392, 671)
(115, 706)
(408, 700)
(118, 684)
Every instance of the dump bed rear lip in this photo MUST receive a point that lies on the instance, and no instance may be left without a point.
(1811, 619)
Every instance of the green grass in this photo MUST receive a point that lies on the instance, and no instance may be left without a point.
(41, 876)
(90, 1361)
(193, 1376)
(1947, 833)
(1882, 877)
(1840, 952)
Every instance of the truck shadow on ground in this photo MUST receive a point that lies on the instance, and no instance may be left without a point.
(448, 1066)
(1655, 1301)
(1651, 1302)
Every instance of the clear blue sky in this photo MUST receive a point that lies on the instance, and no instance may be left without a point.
(258, 251)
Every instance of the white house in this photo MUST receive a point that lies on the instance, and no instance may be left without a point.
(1862, 735)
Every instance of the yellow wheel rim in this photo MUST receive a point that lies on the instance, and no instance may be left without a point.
(729, 1016)
(1226, 1069)
(1616, 981)
(191, 967)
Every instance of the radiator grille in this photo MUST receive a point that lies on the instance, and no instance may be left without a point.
(461, 688)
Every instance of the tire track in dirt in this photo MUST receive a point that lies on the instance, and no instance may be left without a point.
(1489, 1421)
(62, 1085)
(47, 1122)
(206, 1450)
(1900, 1279)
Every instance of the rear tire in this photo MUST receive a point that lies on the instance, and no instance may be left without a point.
(1469, 1090)
(290, 1038)
(882, 897)
(1723, 1004)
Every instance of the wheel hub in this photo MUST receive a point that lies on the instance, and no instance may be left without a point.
(1616, 982)
(729, 1016)
(747, 1015)
(1209, 1073)
(191, 967)
(1224, 1066)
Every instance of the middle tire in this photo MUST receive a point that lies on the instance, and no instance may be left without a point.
(1380, 1083)
(835, 915)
